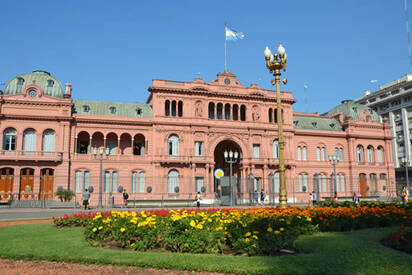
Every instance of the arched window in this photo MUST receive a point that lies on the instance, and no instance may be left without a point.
(173, 145)
(243, 113)
(303, 182)
(323, 154)
(227, 112)
(275, 115)
(172, 181)
(211, 110)
(270, 115)
(304, 153)
(180, 109)
(173, 108)
(275, 149)
(370, 154)
(134, 182)
(78, 181)
(9, 139)
(380, 154)
(324, 183)
(29, 140)
(318, 153)
(48, 141)
(219, 111)
(299, 153)
(359, 153)
(141, 182)
(167, 108)
(341, 154)
(235, 112)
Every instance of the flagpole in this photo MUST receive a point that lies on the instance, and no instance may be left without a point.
(225, 50)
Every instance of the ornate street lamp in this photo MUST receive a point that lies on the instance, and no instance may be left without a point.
(231, 158)
(333, 160)
(405, 163)
(101, 158)
(275, 63)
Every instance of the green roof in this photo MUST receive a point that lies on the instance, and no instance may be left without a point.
(50, 85)
(316, 123)
(107, 108)
(353, 110)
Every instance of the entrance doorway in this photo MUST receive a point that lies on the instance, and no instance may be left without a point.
(46, 184)
(26, 184)
(6, 183)
(362, 184)
(236, 189)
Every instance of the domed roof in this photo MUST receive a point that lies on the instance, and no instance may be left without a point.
(50, 85)
(351, 109)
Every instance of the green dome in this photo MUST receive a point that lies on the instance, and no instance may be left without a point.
(50, 85)
(353, 110)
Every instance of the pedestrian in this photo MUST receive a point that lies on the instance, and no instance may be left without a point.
(197, 199)
(335, 198)
(86, 198)
(262, 196)
(314, 199)
(310, 199)
(256, 197)
(403, 195)
(125, 197)
(355, 199)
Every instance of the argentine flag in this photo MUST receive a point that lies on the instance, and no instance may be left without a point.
(233, 35)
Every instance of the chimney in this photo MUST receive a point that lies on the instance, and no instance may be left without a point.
(68, 92)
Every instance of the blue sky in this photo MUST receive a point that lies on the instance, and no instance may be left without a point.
(111, 50)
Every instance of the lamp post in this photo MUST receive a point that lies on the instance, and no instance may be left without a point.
(275, 63)
(333, 160)
(231, 158)
(100, 158)
(405, 163)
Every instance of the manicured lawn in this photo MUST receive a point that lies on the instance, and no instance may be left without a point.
(351, 252)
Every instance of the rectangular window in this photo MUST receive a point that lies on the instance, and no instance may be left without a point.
(114, 182)
(106, 181)
(342, 183)
(324, 182)
(134, 182)
(198, 184)
(305, 182)
(323, 154)
(256, 150)
(198, 148)
(300, 179)
(341, 155)
(78, 181)
(141, 182)
(86, 180)
(317, 153)
(380, 160)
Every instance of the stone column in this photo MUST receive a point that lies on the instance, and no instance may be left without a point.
(394, 143)
(406, 136)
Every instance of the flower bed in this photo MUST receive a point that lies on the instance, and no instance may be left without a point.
(400, 240)
(256, 231)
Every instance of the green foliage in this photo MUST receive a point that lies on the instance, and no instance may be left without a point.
(65, 195)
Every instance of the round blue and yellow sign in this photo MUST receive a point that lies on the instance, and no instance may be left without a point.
(219, 173)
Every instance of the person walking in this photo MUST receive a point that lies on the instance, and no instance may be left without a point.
(355, 199)
(335, 198)
(86, 198)
(262, 196)
(125, 197)
(310, 199)
(197, 199)
(403, 195)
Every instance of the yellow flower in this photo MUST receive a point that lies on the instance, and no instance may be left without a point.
(254, 245)
(248, 234)
(270, 229)
(122, 229)
(186, 245)
(132, 244)
(255, 232)
(185, 229)
(94, 229)
(277, 232)
(288, 222)
(247, 240)
(255, 237)
(192, 223)
(281, 229)
(309, 219)
(100, 227)
(199, 226)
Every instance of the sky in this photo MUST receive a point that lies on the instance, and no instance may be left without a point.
(111, 50)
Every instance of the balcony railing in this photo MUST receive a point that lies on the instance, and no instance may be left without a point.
(20, 155)
(126, 157)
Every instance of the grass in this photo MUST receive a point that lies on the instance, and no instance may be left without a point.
(350, 252)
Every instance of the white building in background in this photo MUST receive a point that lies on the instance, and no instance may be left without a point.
(393, 101)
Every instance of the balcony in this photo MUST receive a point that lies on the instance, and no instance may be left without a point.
(173, 159)
(36, 156)
(83, 157)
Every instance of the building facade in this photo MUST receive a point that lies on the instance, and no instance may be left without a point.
(393, 102)
(169, 147)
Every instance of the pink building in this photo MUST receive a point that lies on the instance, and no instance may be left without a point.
(178, 139)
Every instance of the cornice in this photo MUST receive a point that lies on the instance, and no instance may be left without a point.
(35, 103)
(113, 121)
(33, 117)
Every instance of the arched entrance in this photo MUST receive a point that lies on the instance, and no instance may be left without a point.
(230, 191)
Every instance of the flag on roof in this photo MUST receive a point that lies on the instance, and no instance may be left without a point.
(233, 35)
